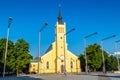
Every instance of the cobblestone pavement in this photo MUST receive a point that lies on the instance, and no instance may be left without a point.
(92, 76)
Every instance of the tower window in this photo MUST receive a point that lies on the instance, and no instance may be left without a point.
(47, 65)
(61, 30)
(60, 37)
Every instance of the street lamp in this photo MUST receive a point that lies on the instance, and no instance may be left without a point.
(65, 48)
(102, 51)
(85, 49)
(42, 28)
(9, 23)
(116, 48)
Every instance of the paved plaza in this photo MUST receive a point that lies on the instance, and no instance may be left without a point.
(91, 76)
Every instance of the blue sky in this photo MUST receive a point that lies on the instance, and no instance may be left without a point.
(87, 16)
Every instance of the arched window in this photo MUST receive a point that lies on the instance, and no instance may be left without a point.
(71, 64)
(47, 65)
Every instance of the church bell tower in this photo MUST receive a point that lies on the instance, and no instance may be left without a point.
(61, 47)
(60, 35)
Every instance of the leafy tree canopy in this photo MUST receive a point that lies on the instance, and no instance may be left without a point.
(94, 59)
(18, 56)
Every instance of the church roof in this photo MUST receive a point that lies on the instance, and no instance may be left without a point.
(34, 61)
(49, 49)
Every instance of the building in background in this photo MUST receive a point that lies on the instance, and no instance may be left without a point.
(117, 54)
(33, 67)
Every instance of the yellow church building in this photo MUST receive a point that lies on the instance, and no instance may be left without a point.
(57, 59)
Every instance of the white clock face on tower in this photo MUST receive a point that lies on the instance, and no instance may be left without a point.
(61, 30)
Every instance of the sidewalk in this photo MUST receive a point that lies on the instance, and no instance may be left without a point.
(91, 76)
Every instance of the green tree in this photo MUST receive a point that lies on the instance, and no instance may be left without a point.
(9, 53)
(111, 63)
(2, 51)
(22, 56)
(94, 56)
(18, 57)
(81, 57)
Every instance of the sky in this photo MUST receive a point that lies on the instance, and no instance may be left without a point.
(87, 16)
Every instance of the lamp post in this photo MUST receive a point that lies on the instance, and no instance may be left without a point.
(85, 49)
(9, 23)
(42, 28)
(116, 48)
(65, 48)
(104, 70)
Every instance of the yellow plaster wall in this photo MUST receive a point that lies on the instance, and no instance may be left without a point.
(55, 66)
(50, 57)
(76, 63)
(33, 67)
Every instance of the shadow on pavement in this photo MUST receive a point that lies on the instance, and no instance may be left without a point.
(104, 75)
(101, 75)
(20, 78)
(112, 76)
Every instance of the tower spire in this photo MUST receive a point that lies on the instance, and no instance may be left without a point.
(59, 15)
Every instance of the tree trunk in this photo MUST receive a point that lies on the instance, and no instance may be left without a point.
(94, 69)
(17, 72)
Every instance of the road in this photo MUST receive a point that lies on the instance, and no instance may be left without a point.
(92, 76)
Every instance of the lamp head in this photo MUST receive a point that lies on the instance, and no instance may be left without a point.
(46, 23)
(73, 29)
(10, 18)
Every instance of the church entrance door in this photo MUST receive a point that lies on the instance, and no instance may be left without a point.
(62, 68)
